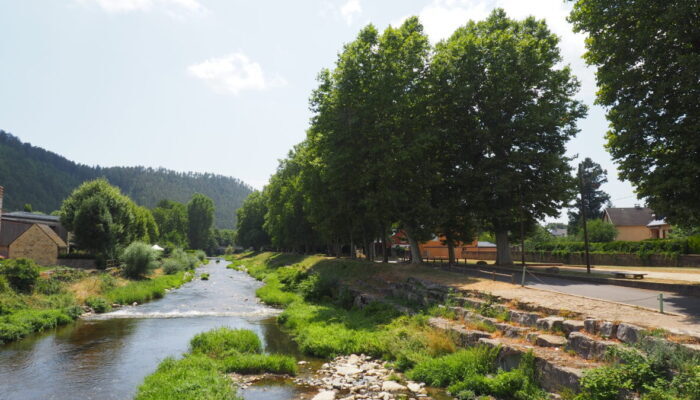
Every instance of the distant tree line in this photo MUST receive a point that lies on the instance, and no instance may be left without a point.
(451, 140)
(32, 175)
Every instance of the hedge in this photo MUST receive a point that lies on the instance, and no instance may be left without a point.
(690, 245)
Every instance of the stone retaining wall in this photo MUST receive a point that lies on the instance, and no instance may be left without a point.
(77, 263)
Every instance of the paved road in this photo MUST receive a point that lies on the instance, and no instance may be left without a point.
(687, 305)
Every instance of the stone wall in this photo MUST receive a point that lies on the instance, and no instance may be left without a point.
(77, 263)
(36, 245)
(690, 260)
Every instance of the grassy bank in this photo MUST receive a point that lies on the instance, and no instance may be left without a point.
(43, 298)
(200, 374)
(320, 316)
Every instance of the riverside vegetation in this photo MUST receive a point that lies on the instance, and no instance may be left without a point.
(320, 315)
(200, 373)
(33, 301)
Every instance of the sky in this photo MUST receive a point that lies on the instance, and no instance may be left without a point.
(217, 86)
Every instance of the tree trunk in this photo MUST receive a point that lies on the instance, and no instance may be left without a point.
(503, 256)
(385, 253)
(450, 253)
(415, 250)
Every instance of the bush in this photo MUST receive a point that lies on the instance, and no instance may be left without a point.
(455, 367)
(600, 231)
(139, 260)
(21, 273)
(49, 286)
(4, 285)
(172, 266)
(98, 304)
(193, 377)
(204, 277)
(260, 363)
(223, 341)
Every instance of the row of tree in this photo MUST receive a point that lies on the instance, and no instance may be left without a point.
(449, 140)
(103, 221)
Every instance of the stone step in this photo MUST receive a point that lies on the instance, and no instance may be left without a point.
(588, 347)
(524, 318)
(462, 336)
(557, 370)
(545, 340)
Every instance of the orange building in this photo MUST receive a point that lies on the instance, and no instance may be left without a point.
(436, 249)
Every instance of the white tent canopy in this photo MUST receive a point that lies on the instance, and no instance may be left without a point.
(157, 248)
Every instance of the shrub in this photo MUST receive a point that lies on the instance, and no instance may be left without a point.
(600, 231)
(172, 266)
(205, 277)
(4, 285)
(66, 274)
(98, 304)
(455, 367)
(220, 342)
(21, 273)
(49, 286)
(193, 377)
(139, 259)
(260, 363)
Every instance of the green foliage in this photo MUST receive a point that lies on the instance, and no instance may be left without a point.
(98, 304)
(139, 260)
(647, 59)
(455, 367)
(33, 175)
(49, 286)
(220, 342)
(204, 277)
(259, 363)
(590, 177)
(599, 231)
(653, 246)
(171, 218)
(195, 377)
(200, 219)
(249, 225)
(21, 273)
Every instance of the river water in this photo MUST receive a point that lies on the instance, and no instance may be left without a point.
(108, 356)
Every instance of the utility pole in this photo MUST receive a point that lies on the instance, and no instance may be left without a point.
(583, 217)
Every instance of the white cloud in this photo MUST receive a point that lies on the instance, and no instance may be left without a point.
(441, 17)
(174, 8)
(234, 73)
(350, 9)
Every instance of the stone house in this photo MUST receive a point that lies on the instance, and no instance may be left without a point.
(34, 241)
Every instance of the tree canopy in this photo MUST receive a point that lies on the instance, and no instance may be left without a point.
(647, 55)
(200, 219)
(446, 141)
(594, 200)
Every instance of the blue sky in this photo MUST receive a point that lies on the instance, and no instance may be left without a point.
(213, 85)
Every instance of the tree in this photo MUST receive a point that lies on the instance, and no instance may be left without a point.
(594, 199)
(250, 221)
(600, 231)
(144, 227)
(200, 218)
(100, 218)
(648, 58)
(171, 218)
(521, 113)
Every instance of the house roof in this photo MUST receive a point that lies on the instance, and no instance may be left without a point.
(11, 230)
(657, 222)
(52, 235)
(23, 215)
(630, 216)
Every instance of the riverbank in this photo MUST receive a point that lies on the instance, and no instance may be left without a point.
(60, 295)
(325, 318)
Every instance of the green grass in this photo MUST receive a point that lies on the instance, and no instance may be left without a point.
(259, 363)
(147, 289)
(23, 322)
(219, 342)
(195, 377)
(445, 370)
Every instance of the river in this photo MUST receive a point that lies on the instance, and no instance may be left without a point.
(107, 356)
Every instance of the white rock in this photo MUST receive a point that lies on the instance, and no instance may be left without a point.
(302, 362)
(325, 395)
(347, 370)
(414, 387)
(391, 386)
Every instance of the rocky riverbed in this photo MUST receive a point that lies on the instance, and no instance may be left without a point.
(359, 377)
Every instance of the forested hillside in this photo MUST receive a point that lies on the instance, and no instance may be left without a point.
(43, 179)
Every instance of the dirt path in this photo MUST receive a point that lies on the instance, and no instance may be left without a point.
(589, 307)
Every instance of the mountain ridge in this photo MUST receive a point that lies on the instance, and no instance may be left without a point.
(42, 178)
